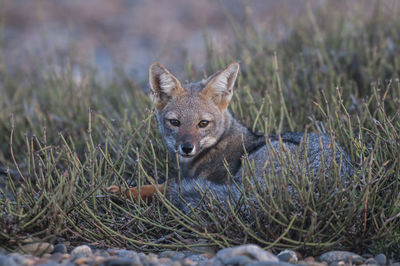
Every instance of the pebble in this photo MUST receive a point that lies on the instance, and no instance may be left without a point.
(346, 256)
(81, 251)
(59, 248)
(38, 248)
(288, 256)
(371, 261)
(381, 259)
(238, 260)
(252, 251)
(127, 253)
(312, 263)
(123, 262)
(270, 263)
(6, 261)
(249, 255)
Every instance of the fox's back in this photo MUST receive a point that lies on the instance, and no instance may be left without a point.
(309, 154)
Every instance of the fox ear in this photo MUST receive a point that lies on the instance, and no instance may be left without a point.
(219, 86)
(163, 85)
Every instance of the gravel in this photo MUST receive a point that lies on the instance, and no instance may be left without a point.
(249, 255)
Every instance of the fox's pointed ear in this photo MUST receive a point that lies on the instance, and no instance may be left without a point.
(163, 85)
(219, 86)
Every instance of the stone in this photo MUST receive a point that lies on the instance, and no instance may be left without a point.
(152, 259)
(82, 260)
(339, 263)
(48, 263)
(254, 252)
(371, 261)
(270, 263)
(59, 248)
(288, 256)
(312, 263)
(38, 248)
(167, 254)
(381, 259)
(196, 257)
(24, 260)
(346, 256)
(309, 259)
(6, 261)
(123, 262)
(127, 253)
(188, 262)
(178, 256)
(81, 251)
(238, 260)
(164, 261)
(2, 251)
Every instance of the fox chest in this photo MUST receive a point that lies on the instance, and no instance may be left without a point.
(215, 169)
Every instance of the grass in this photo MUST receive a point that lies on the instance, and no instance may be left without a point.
(63, 141)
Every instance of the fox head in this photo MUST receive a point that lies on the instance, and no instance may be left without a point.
(192, 117)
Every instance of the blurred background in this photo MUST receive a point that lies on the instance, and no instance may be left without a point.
(131, 34)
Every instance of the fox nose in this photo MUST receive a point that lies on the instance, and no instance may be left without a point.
(187, 147)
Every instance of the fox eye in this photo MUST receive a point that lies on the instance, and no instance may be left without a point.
(203, 123)
(174, 122)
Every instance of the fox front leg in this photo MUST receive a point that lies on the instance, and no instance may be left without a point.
(146, 192)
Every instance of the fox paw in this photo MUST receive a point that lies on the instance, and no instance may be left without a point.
(146, 191)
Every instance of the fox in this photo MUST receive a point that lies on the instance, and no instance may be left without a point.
(211, 146)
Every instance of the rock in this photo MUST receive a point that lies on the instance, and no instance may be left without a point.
(381, 259)
(371, 261)
(196, 257)
(59, 248)
(2, 251)
(238, 260)
(333, 256)
(48, 263)
(309, 259)
(178, 256)
(167, 254)
(58, 257)
(270, 263)
(6, 261)
(152, 259)
(188, 262)
(38, 248)
(81, 251)
(82, 260)
(312, 263)
(339, 263)
(254, 252)
(123, 262)
(288, 256)
(24, 260)
(99, 260)
(212, 262)
(164, 261)
(127, 253)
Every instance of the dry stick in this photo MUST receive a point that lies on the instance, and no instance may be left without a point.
(11, 149)
(284, 110)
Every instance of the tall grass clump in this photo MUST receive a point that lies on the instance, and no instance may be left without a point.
(63, 142)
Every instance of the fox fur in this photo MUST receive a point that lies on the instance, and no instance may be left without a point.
(211, 144)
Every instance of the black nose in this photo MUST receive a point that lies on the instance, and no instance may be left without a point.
(187, 147)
